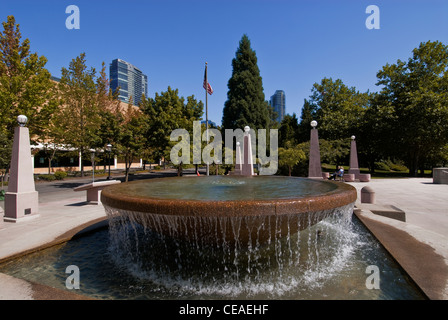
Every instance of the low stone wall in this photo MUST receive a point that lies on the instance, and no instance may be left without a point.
(440, 175)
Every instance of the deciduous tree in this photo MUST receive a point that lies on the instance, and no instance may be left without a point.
(79, 115)
(290, 156)
(166, 112)
(414, 101)
(25, 85)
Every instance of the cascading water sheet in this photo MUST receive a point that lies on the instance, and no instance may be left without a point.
(279, 267)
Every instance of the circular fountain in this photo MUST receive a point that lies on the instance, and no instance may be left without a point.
(227, 209)
(229, 235)
(226, 237)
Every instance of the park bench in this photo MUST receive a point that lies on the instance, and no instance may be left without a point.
(326, 176)
(349, 177)
(93, 189)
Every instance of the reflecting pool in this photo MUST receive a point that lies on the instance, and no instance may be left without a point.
(329, 260)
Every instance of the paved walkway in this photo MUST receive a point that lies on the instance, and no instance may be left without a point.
(420, 244)
(61, 215)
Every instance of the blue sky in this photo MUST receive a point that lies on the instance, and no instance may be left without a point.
(297, 43)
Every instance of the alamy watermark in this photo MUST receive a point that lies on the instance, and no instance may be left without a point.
(373, 280)
(213, 151)
(373, 20)
(72, 281)
(73, 20)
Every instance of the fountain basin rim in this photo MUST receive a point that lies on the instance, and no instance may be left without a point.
(342, 195)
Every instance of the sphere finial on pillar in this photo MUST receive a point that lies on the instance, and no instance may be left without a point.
(247, 168)
(22, 120)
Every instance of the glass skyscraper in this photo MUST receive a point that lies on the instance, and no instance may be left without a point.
(278, 103)
(131, 80)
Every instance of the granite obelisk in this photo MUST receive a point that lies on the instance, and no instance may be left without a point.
(314, 167)
(354, 167)
(21, 199)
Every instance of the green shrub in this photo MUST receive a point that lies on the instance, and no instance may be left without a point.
(397, 167)
(389, 165)
(46, 177)
(75, 173)
(382, 166)
(60, 175)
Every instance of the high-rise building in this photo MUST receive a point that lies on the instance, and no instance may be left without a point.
(131, 80)
(278, 103)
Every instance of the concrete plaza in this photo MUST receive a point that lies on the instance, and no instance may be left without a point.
(420, 244)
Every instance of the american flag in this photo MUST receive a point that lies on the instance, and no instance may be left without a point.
(207, 85)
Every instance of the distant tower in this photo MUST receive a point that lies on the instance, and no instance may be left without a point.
(278, 103)
(131, 80)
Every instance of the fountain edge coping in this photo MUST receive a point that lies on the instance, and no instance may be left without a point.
(343, 195)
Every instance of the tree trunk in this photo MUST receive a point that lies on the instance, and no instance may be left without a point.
(82, 165)
(422, 170)
(413, 163)
(371, 163)
(50, 158)
(127, 165)
(179, 170)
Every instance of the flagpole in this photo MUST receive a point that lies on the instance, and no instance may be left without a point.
(206, 110)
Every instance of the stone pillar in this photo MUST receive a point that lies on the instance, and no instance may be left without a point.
(32, 161)
(2, 213)
(315, 167)
(354, 167)
(21, 200)
(238, 161)
(247, 166)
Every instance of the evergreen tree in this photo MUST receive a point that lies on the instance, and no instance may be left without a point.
(288, 131)
(307, 115)
(245, 105)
